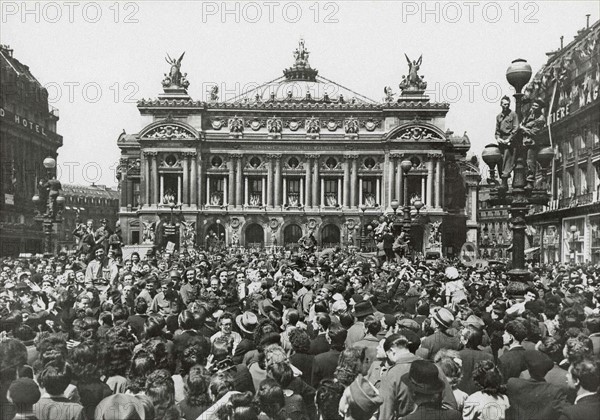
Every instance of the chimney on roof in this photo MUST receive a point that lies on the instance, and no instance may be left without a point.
(561, 41)
(587, 18)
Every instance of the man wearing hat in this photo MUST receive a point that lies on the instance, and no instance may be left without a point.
(535, 398)
(442, 338)
(246, 324)
(357, 331)
(360, 400)
(425, 387)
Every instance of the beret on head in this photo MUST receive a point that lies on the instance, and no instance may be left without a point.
(538, 363)
(24, 391)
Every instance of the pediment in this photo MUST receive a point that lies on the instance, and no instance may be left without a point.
(417, 132)
(169, 130)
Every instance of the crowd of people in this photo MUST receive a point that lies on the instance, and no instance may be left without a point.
(277, 336)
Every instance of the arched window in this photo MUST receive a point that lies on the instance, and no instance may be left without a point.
(291, 235)
(330, 236)
(255, 236)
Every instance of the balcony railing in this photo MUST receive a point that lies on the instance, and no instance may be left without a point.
(370, 201)
(255, 200)
(293, 199)
(331, 200)
(216, 199)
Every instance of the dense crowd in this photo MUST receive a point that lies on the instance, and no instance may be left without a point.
(331, 335)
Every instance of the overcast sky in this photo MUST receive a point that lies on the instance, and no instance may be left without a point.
(98, 58)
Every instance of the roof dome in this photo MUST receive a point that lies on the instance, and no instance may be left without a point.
(301, 83)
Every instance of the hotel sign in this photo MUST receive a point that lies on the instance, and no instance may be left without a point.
(6, 115)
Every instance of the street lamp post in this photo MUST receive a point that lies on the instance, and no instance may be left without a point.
(573, 251)
(522, 194)
(49, 203)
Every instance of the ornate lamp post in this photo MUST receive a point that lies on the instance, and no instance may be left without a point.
(49, 203)
(573, 251)
(522, 194)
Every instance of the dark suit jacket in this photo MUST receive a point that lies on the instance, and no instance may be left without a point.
(433, 412)
(244, 347)
(534, 400)
(587, 408)
(304, 362)
(324, 365)
(319, 345)
(470, 358)
(512, 363)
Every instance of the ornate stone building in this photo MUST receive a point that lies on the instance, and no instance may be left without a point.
(299, 153)
(569, 227)
(86, 202)
(27, 136)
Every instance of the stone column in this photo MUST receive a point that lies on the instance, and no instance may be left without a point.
(124, 183)
(315, 181)
(322, 198)
(443, 186)
(384, 181)
(199, 180)
(277, 194)
(238, 180)
(155, 198)
(391, 175)
(360, 191)
(207, 190)
(354, 186)
(422, 188)
(378, 199)
(398, 174)
(339, 191)
(346, 195)
(270, 180)
(401, 181)
(246, 191)
(429, 199)
(226, 190)
(438, 184)
(194, 180)
(179, 190)
(285, 192)
(146, 171)
(186, 180)
(161, 190)
(307, 182)
(130, 198)
(301, 192)
(264, 191)
(231, 182)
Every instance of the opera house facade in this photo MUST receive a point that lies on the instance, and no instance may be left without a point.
(298, 154)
